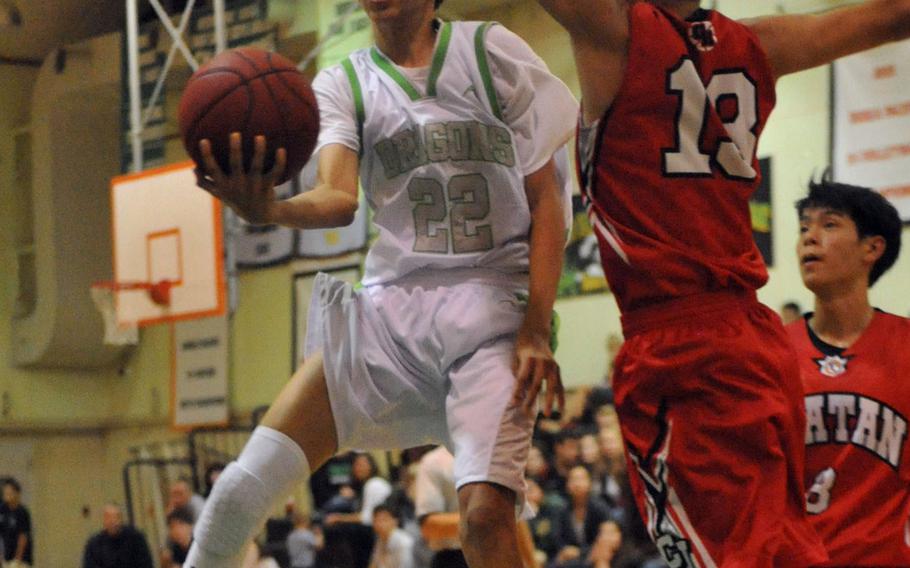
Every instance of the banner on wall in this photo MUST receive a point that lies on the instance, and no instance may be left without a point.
(871, 122)
(200, 367)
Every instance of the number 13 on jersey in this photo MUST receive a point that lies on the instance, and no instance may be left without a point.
(734, 151)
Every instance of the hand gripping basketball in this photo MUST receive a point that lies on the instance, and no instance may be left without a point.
(256, 93)
(250, 194)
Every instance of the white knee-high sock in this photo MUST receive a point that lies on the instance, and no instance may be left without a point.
(266, 471)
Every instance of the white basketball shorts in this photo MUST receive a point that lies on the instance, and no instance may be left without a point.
(426, 360)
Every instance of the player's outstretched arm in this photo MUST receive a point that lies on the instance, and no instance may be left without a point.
(798, 42)
(600, 37)
(534, 363)
(333, 202)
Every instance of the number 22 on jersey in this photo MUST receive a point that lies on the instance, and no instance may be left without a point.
(735, 151)
(467, 206)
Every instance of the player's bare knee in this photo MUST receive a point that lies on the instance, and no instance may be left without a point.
(483, 517)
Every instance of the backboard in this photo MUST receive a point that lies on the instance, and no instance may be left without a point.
(165, 228)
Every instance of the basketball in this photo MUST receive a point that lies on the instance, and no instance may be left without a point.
(254, 92)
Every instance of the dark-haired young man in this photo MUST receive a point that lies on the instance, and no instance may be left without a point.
(855, 363)
(674, 99)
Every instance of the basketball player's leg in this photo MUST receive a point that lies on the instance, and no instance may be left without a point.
(296, 436)
(490, 436)
(303, 413)
(710, 465)
(488, 526)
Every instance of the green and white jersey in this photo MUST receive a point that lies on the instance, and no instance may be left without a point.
(441, 162)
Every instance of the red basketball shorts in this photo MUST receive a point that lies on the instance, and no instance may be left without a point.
(711, 408)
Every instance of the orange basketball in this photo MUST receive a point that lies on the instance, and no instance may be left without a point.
(254, 92)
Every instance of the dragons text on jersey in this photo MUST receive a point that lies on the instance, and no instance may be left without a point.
(441, 141)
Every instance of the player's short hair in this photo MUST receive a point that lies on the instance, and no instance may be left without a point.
(869, 210)
(438, 3)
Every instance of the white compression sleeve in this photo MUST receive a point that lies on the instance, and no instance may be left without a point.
(266, 471)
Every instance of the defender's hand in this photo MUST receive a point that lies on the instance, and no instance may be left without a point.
(250, 194)
(533, 365)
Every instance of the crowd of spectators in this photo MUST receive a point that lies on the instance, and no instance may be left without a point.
(406, 515)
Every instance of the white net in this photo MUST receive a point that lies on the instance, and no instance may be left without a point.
(114, 334)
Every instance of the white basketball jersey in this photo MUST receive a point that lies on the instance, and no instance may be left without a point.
(439, 166)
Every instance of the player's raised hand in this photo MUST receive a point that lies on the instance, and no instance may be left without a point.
(533, 366)
(250, 194)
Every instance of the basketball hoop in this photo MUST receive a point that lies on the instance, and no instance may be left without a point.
(103, 294)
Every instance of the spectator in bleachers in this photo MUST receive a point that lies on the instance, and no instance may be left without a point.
(538, 465)
(277, 530)
(304, 542)
(350, 534)
(179, 538)
(372, 488)
(211, 476)
(566, 455)
(402, 499)
(181, 496)
(369, 491)
(607, 417)
(610, 481)
(329, 481)
(116, 545)
(608, 551)
(437, 509)
(595, 398)
(590, 454)
(260, 557)
(545, 524)
(393, 546)
(580, 522)
(15, 525)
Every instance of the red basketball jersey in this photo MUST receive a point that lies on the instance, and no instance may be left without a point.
(669, 171)
(857, 470)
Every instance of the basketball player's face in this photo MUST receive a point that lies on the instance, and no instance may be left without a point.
(831, 254)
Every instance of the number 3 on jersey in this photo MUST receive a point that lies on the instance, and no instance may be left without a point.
(468, 203)
(734, 153)
(818, 498)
